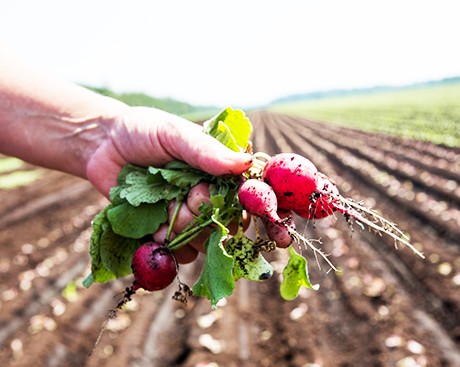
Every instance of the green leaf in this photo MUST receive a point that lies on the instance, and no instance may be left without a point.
(216, 279)
(231, 127)
(99, 273)
(127, 169)
(114, 194)
(217, 201)
(179, 165)
(140, 187)
(248, 261)
(295, 275)
(117, 252)
(183, 178)
(137, 221)
(223, 196)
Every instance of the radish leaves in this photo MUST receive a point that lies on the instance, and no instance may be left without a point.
(137, 221)
(138, 206)
(295, 275)
(231, 127)
(216, 280)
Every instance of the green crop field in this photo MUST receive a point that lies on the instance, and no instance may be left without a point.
(430, 113)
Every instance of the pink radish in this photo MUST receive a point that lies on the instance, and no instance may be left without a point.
(278, 232)
(293, 178)
(259, 199)
(324, 201)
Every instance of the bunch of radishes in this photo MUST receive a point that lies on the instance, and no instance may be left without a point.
(273, 190)
(290, 183)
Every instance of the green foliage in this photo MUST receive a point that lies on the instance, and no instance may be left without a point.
(295, 275)
(231, 127)
(249, 262)
(166, 104)
(430, 114)
(137, 208)
(216, 279)
(137, 221)
(99, 273)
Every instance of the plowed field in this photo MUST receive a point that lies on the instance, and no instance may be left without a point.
(386, 307)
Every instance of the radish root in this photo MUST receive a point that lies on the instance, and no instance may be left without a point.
(379, 223)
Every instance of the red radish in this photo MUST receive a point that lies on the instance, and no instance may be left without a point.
(259, 199)
(293, 178)
(154, 267)
(324, 201)
(278, 232)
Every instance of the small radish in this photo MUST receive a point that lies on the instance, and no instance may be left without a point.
(259, 199)
(293, 178)
(154, 267)
(324, 201)
(278, 232)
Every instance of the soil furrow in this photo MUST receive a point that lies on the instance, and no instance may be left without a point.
(432, 184)
(448, 229)
(386, 307)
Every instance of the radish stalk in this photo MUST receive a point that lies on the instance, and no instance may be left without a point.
(179, 203)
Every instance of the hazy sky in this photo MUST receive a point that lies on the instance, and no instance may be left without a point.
(240, 53)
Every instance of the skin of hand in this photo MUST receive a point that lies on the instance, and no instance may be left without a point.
(62, 126)
(146, 136)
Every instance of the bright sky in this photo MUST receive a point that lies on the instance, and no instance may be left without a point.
(241, 52)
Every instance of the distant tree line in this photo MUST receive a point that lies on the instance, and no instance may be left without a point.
(142, 99)
(356, 91)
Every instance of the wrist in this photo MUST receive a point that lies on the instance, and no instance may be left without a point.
(88, 131)
(58, 128)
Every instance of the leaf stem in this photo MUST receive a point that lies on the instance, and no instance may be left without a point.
(179, 202)
(192, 231)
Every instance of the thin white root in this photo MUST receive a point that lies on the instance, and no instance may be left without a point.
(386, 226)
(297, 236)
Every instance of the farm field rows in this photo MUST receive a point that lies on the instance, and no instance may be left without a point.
(386, 307)
(429, 113)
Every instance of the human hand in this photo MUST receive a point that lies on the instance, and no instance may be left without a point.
(150, 137)
(65, 127)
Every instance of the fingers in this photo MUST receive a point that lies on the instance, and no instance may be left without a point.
(160, 235)
(185, 254)
(183, 217)
(185, 214)
(151, 137)
(198, 195)
(187, 142)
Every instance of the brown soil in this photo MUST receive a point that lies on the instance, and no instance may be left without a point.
(386, 307)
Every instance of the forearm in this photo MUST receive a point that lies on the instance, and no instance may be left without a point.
(49, 122)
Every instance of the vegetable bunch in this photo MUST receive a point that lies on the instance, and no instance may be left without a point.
(271, 191)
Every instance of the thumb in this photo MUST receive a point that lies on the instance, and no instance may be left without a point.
(213, 157)
(186, 141)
